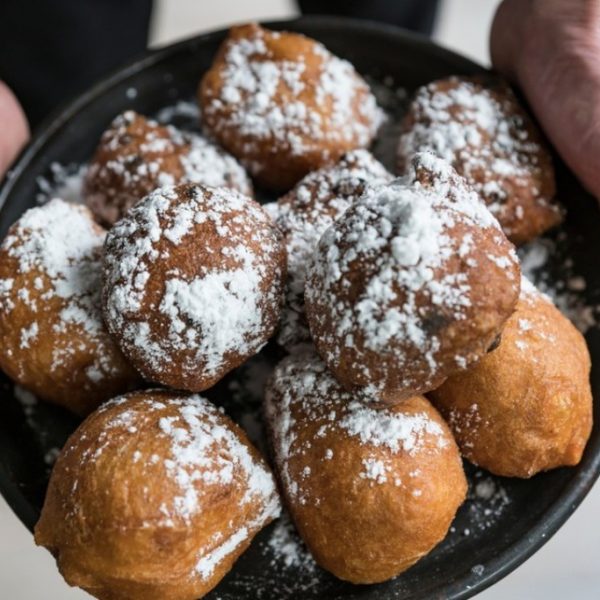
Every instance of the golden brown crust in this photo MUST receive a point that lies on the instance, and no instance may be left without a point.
(193, 283)
(137, 155)
(371, 491)
(527, 406)
(283, 105)
(414, 282)
(54, 342)
(478, 125)
(154, 496)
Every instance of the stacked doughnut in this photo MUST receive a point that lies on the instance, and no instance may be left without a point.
(394, 298)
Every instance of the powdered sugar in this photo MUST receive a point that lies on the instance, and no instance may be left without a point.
(207, 564)
(60, 241)
(535, 328)
(28, 400)
(485, 135)
(305, 213)
(61, 245)
(392, 430)
(210, 165)
(541, 260)
(398, 239)
(186, 111)
(374, 470)
(224, 305)
(487, 501)
(267, 98)
(302, 385)
(66, 183)
(289, 585)
(137, 155)
(28, 334)
(218, 307)
(195, 434)
(288, 548)
(203, 453)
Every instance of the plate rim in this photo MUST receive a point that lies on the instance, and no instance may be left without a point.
(574, 492)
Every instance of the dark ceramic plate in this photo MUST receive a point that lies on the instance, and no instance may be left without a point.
(502, 523)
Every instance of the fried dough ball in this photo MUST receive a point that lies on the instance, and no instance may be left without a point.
(304, 213)
(136, 155)
(193, 283)
(370, 491)
(478, 126)
(54, 342)
(414, 282)
(156, 495)
(284, 105)
(527, 406)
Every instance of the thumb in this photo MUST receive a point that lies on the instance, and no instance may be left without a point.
(550, 48)
(14, 131)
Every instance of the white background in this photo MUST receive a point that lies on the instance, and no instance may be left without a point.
(567, 567)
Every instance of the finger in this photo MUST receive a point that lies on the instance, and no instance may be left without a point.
(14, 130)
(550, 50)
(506, 35)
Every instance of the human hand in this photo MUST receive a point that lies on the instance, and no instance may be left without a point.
(14, 131)
(551, 50)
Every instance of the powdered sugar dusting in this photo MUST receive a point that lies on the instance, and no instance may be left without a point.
(186, 111)
(395, 431)
(302, 383)
(266, 98)
(204, 451)
(540, 261)
(401, 236)
(209, 562)
(59, 244)
(55, 240)
(305, 213)
(209, 312)
(484, 134)
(487, 501)
(374, 470)
(489, 497)
(222, 304)
(137, 155)
(28, 400)
(288, 549)
(208, 164)
(66, 183)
